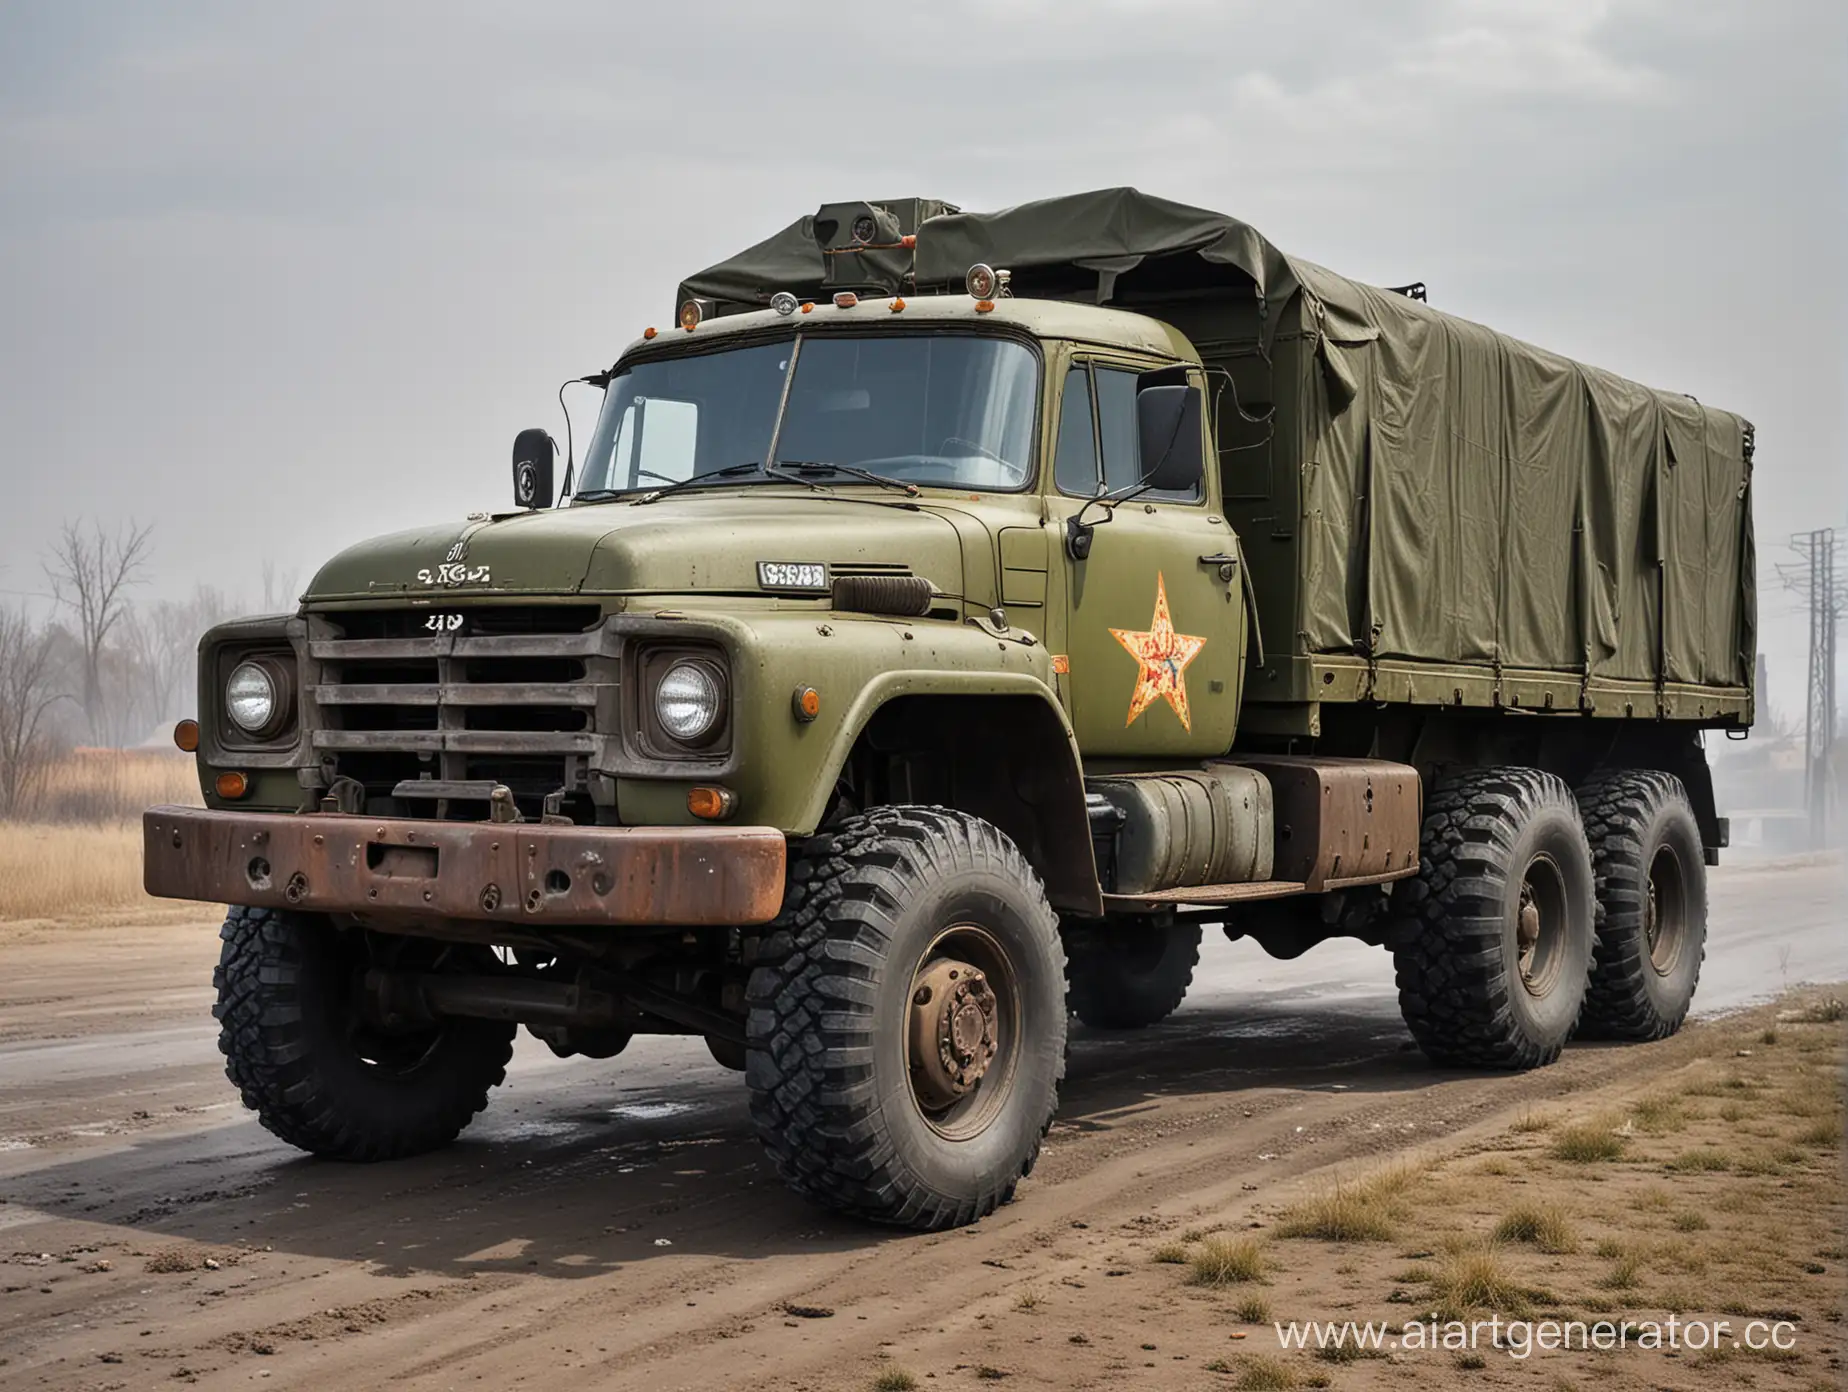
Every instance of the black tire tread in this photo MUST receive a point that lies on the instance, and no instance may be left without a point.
(1617, 805)
(811, 1026)
(1447, 959)
(261, 973)
(1105, 996)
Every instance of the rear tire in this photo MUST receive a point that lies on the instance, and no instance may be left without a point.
(1652, 904)
(1130, 975)
(1492, 940)
(907, 1019)
(308, 1066)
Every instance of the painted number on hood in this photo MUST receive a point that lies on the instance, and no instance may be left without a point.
(453, 573)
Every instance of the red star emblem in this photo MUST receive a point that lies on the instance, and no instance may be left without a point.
(1164, 655)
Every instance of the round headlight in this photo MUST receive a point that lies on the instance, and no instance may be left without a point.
(251, 699)
(687, 702)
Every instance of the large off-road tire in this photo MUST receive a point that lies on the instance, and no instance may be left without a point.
(1492, 939)
(1652, 904)
(1130, 975)
(315, 1074)
(867, 1028)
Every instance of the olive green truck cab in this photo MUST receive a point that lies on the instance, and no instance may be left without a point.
(950, 617)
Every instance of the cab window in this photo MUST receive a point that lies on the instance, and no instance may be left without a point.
(1099, 408)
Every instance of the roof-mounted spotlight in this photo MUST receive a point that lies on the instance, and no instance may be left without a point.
(691, 314)
(783, 303)
(982, 281)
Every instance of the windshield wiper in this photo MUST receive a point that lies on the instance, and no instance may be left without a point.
(729, 471)
(910, 490)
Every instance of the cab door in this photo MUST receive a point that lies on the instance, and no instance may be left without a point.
(1154, 616)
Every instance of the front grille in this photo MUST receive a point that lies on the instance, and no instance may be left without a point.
(523, 696)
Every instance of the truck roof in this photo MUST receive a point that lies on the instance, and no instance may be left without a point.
(1041, 318)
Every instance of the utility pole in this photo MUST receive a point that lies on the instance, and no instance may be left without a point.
(1815, 578)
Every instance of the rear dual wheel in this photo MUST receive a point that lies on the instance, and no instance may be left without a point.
(1492, 940)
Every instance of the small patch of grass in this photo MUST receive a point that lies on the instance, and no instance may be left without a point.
(1588, 1143)
(1543, 1226)
(1824, 1135)
(1758, 1162)
(1769, 1036)
(1253, 1309)
(1345, 1352)
(1703, 1160)
(1172, 1253)
(895, 1380)
(1362, 1212)
(1028, 1301)
(1824, 1012)
(1259, 1372)
(1474, 1277)
(1659, 1115)
(1416, 1274)
(1227, 1261)
(1625, 1273)
(986, 1373)
(1531, 1121)
(1689, 1221)
(1471, 1362)
(1732, 1112)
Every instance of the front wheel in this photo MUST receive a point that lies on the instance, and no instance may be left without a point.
(1492, 938)
(907, 1019)
(306, 1060)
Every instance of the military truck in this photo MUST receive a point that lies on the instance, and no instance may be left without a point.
(951, 617)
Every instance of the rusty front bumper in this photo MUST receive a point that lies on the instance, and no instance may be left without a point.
(524, 873)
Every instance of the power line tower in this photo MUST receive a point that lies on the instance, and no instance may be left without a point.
(1815, 578)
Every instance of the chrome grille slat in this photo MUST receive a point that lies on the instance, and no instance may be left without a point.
(459, 741)
(459, 694)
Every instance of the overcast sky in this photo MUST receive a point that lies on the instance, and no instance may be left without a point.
(276, 277)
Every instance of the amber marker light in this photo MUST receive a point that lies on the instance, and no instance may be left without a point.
(710, 804)
(845, 299)
(186, 736)
(984, 306)
(806, 703)
(910, 239)
(808, 306)
(232, 785)
(649, 332)
(1061, 663)
(898, 303)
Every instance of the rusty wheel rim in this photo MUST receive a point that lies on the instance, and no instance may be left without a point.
(1540, 925)
(962, 1032)
(1665, 911)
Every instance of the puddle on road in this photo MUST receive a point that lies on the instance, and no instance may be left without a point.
(650, 1111)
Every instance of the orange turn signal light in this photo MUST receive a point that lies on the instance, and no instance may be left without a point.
(808, 306)
(186, 736)
(232, 785)
(648, 332)
(898, 303)
(910, 239)
(806, 703)
(711, 804)
(984, 306)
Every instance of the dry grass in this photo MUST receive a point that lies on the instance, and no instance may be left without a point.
(82, 855)
(1173, 1253)
(1227, 1261)
(1473, 1276)
(1259, 1372)
(1362, 1212)
(1542, 1226)
(113, 785)
(1588, 1142)
(895, 1380)
(1253, 1309)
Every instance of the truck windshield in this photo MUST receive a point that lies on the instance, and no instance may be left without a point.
(950, 410)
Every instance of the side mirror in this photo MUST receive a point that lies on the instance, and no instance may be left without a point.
(534, 452)
(1168, 421)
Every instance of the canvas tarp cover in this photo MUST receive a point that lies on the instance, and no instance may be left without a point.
(1468, 497)
(1465, 497)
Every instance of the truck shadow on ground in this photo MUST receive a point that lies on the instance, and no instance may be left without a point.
(570, 1175)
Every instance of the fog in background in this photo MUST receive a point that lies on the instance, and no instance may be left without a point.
(276, 278)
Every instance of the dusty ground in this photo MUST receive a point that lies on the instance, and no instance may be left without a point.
(612, 1223)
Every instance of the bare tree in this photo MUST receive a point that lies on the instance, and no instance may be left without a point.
(279, 591)
(163, 638)
(89, 572)
(28, 690)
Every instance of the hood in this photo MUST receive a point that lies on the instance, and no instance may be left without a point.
(706, 541)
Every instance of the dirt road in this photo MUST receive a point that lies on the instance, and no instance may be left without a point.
(612, 1223)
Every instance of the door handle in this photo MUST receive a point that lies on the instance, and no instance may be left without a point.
(1227, 565)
